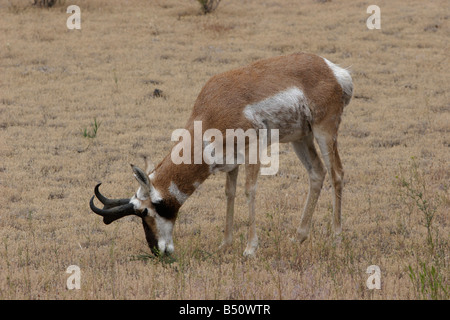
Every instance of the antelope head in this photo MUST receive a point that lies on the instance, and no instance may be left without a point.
(158, 230)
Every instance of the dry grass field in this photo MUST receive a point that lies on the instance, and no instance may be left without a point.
(394, 143)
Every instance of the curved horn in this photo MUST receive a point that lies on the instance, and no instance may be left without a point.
(111, 214)
(109, 203)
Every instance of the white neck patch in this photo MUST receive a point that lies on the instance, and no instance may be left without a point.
(155, 195)
(175, 192)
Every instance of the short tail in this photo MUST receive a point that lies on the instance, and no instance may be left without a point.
(344, 78)
(347, 86)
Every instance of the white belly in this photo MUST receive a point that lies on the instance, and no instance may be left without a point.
(286, 111)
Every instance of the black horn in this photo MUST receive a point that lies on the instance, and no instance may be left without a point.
(113, 214)
(113, 209)
(109, 203)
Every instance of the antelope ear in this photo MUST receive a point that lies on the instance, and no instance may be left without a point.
(142, 178)
(149, 166)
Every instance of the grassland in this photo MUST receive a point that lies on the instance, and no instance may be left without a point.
(58, 85)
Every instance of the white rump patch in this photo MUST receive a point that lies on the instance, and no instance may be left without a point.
(174, 191)
(287, 111)
(343, 77)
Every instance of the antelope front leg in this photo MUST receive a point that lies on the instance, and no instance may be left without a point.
(252, 172)
(230, 191)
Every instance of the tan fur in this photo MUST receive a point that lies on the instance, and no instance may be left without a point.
(223, 98)
(220, 105)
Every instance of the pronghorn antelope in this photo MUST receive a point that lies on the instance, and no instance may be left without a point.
(301, 95)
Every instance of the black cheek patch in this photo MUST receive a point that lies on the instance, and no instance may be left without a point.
(165, 209)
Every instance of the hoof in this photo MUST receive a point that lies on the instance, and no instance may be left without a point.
(301, 236)
(251, 248)
(225, 245)
(249, 252)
